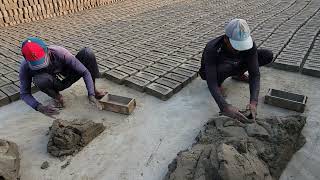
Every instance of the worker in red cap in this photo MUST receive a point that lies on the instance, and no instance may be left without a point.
(53, 69)
(231, 55)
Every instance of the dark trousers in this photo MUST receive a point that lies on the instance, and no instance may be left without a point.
(53, 84)
(227, 69)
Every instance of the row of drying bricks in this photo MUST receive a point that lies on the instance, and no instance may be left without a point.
(161, 78)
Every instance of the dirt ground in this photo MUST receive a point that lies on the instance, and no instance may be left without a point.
(141, 146)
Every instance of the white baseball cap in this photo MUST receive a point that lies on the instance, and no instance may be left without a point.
(239, 36)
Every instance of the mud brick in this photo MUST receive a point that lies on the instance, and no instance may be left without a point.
(194, 62)
(160, 91)
(117, 60)
(136, 83)
(127, 70)
(185, 72)
(178, 77)
(136, 65)
(182, 54)
(286, 64)
(4, 99)
(164, 67)
(170, 62)
(125, 56)
(156, 71)
(13, 76)
(5, 70)
(116, 76)
(190, 67)
(311, 69)
(4, 81)
(12, 91)
(148, 76)
(158, 54)
(151, 57)
(176, 58)
(143, 61)
(108, 64)
(175, 85)
(102, 69)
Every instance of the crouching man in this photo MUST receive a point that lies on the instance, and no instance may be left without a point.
(231, 55)
(54, 69)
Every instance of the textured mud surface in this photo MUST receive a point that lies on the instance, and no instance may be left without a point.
(229, 151)
(9, 160)
(67, 138)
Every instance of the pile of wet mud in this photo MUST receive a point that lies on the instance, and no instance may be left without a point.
(226, 150)
(69, 137)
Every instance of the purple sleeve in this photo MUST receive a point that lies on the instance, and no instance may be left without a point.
(73, 63)
(25, 86)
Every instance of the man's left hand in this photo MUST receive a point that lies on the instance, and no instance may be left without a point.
(252, 107)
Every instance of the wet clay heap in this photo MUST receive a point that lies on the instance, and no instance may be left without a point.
(69, 137)
(229, 151)
(9, 160)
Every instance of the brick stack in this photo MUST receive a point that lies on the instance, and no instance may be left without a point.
(13, 12)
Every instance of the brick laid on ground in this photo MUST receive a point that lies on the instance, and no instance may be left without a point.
(147, 76)
(185, 72)
(116, 76)
(175, 85)
(170, 62)
(125, 56)
(143, 61)
(108, 64)
(311, 69)
(4, 99)
(164, 67)
(176, 58)
(127, 70)
(102, 69)
(178, 77)
(12, 91)
(4, 81)
(286, 64)
(136, 66)
(190, 67)
(156, 71)
(136, 83)
(13, 76)
(160, 91)
(117, 60)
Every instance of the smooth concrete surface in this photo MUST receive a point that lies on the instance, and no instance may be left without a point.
(140, 146)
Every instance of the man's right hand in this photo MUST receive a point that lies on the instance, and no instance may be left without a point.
(47, 110)
(234, 113)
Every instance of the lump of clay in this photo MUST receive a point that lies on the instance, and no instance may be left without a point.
(255, 152)
(9, 160)
(67, 138)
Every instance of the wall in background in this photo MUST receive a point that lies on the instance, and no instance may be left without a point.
(20, 11)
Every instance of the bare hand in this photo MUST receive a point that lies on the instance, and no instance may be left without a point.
(252, 107)
(234, 113)
(95, 102)
(47, 110)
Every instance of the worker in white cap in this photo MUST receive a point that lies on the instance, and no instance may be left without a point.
(231, 55)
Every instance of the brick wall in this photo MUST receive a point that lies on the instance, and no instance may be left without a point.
(19, 11)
